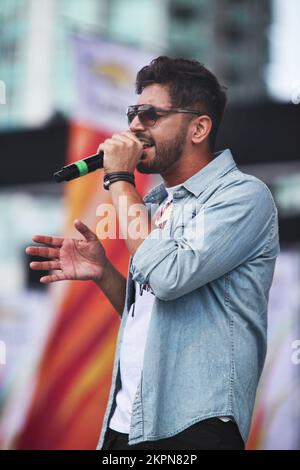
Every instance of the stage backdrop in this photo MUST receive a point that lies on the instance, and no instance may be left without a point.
(69, 388)
(74, 375)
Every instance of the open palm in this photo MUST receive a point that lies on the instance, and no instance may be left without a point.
(70, 258)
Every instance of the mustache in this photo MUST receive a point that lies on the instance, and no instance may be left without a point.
(144, 138)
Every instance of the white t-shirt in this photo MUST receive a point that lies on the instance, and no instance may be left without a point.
(135, 336)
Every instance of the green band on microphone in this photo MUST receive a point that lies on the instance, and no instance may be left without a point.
(82, 167)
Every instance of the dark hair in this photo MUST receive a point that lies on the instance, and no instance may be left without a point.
(190, 85)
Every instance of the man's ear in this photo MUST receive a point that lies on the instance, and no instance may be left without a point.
(201, 128)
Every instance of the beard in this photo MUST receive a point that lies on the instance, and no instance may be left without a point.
(167, 153)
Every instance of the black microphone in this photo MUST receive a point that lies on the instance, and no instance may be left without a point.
(79, 168)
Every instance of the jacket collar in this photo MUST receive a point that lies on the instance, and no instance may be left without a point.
(196, 184)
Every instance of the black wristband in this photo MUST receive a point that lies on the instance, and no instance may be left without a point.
(107, 183)
(110, 178)
(118, 173)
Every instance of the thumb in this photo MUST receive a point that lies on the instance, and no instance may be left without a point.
(85, 231)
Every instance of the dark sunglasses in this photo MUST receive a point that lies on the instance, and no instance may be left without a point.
(148, 114)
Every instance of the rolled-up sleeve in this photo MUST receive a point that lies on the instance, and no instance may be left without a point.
(235, 224)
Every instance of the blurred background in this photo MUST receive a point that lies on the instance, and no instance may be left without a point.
(67, 71)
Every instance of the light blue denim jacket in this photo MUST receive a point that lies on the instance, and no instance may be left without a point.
(206, 342)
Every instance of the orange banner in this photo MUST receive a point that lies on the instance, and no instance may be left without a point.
(75, 372)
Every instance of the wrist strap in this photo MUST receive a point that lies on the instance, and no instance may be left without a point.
(118, 173)
(110, 178)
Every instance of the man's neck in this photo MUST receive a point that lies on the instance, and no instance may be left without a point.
(185, 168)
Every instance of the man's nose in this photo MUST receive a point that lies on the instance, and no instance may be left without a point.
(136, 125)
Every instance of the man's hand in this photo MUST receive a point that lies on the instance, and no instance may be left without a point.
(69, 257)
(121, 152)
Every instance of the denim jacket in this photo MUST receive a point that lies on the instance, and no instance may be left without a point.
(206, 342)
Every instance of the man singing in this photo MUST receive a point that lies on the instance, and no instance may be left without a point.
(192, 338)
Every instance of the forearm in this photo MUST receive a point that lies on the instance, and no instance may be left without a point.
(113, 285)
(134, 220)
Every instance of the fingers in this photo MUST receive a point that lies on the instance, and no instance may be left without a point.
(131, 136)
(47, 240)
(85, 231)
(49, 265)
(53, 278)
(43, 251)
(127, 137)
(45, 265)
(119, 138)
(123, 137)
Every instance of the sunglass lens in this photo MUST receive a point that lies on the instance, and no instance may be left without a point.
(147, 116)
(130, 116)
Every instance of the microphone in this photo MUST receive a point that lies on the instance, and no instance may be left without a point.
(79, 168)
